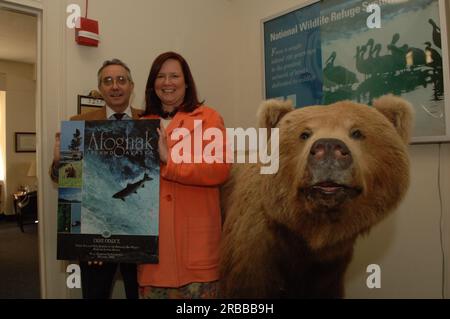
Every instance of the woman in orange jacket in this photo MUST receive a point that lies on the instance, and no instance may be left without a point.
(192, 169)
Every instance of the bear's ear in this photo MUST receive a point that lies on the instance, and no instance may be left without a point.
(270, 112)
(399, 112)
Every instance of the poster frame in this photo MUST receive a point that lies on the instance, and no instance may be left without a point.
(443, 9)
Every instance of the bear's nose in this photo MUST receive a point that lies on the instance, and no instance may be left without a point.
(332, 152)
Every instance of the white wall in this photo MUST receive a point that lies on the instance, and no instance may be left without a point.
(19, 117)
(221, 40)
(137, 33)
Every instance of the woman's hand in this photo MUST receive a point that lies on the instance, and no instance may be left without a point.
(162, 143)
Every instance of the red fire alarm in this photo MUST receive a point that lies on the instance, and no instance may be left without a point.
(86, 32)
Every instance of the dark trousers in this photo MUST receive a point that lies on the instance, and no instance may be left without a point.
(97, 281)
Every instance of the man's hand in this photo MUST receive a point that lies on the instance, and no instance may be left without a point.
(56, 157)
(162, 143)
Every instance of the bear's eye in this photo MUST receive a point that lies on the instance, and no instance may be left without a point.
(357, 135)
(305, 135)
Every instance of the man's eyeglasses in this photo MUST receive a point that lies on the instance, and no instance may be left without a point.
(109, 80)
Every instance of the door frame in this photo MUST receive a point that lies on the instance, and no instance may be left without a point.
(36, 9)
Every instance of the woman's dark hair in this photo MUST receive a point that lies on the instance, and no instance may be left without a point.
(153, 103)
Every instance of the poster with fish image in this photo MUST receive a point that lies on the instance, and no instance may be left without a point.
(108, 204)
(332, 50)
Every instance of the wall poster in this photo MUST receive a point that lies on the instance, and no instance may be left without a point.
(108, 198)
(331, 50)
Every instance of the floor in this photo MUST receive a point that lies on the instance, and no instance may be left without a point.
(19, 261)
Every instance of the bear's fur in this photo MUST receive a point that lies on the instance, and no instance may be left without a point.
(343, 168)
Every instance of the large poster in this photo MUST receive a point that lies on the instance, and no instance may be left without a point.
(108, 206)
(358, 50)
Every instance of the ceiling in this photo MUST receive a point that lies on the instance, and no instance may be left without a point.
(18, 34)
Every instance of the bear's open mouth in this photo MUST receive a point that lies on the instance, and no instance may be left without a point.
(329, 188)
(329, 194)
(332, 188)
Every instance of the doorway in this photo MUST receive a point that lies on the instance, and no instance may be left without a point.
(19, 65)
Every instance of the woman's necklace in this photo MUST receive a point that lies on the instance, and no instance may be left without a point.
(166, 115)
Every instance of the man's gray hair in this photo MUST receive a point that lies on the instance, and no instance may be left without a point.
(114, 62)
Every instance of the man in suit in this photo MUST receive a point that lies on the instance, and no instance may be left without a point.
(116, 87)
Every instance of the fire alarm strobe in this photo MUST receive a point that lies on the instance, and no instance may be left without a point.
(86, 32)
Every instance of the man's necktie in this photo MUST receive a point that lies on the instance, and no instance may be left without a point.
(119, 116)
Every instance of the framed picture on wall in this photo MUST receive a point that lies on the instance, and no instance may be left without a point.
(331, 50)
(25, 142)
(89, 103)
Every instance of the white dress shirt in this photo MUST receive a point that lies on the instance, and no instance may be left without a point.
(110, 113)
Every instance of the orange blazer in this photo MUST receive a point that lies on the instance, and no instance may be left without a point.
(189, 211)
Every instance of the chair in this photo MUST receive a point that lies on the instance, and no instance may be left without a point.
(27, 210)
